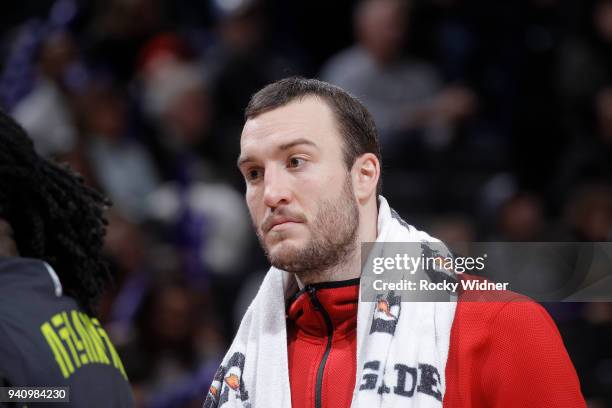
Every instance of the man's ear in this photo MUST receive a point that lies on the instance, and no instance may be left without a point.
(365, 174)
(8, 246)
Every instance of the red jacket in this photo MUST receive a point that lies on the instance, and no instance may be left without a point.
(502, 354)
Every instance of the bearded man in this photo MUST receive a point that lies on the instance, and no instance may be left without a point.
(311, 161)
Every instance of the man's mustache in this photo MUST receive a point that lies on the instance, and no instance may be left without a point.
(279, 217)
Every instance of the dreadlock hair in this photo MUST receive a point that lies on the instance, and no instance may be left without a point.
(54, 215)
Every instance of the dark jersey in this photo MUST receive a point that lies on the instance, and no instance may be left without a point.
(46, 340)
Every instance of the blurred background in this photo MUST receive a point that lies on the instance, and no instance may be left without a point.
(495, 119)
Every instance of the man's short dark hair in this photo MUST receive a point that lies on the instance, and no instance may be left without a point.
(354, 121)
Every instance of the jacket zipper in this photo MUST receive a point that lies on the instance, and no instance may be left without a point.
(330, 332)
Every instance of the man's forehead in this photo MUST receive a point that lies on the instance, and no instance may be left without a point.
(309, 118)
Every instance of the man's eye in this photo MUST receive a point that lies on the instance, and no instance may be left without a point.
(295, 162)
(253, 174)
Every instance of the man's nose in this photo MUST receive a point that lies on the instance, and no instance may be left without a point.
(276, 189)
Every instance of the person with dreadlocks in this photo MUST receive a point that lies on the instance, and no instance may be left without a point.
(52, 274)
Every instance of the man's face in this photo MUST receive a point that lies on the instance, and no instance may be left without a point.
(299, 192)
(381, 29)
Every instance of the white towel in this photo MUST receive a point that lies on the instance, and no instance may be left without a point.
(401, 352)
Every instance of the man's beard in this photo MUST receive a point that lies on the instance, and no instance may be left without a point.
(333, 238)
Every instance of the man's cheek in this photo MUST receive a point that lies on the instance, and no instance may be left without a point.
(253, 195)
(253, 209)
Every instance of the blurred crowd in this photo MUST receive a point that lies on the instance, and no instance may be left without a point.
(495, 120)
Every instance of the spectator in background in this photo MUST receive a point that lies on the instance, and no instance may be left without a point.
(588, 217)
(46, 112)
(403, 94)
(207, 216)
(453, 229)
(175, 100)
(118, 29)
(521, 219)
(589, 337)
(176, 339)
(588, 157)
(588, 213)
(136, 258)
(585, 66)
(122, 166)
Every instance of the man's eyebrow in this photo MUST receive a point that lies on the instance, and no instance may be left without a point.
(285, 146)
(296, 142)
(243, 159)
